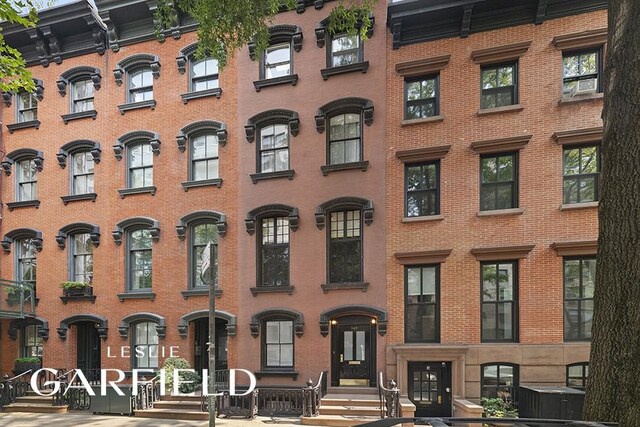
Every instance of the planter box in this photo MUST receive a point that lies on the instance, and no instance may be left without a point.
(21, 367)
(78, 294)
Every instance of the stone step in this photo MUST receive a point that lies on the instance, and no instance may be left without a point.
(36, 407)
(35, 399)
(351, 400)
(353, 390)
(172, 414)
(366, 411)
(169, 398)
(178, 404)
(336, 420)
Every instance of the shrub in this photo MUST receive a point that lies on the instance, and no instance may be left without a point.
(500, 407)
(33, 360)
(73, 285)
(172, 363)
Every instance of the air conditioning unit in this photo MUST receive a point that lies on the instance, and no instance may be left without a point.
(584, 87)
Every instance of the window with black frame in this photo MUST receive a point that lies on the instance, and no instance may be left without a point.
(345, 247)
(422, 304)
(26, 180)
(140, 85)
(577, 374)
(204, 74)
(581, 73)
(140, 159)
(82, 173)
(498, 181)
(346, 49)
(581, 170)
(500, 380)
(274, 148)
(499, 85)
(31, 341)
(140, 261)
(82, 95)
(277, 350)
(345, 138)
(27, 107)
(273, 268)
(422, 189)
(81, 251)
(145, 344)
(421, 97)
(201, 235)
(579, 285)
(277, 61)
(204, 157)
(499, 319)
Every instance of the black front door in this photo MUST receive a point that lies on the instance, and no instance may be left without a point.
(353, 348)
(201, 351)
(430, 388)
(88, 350)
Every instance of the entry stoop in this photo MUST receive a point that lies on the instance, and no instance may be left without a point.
(343, 407)
(175, 408)
(35, 404)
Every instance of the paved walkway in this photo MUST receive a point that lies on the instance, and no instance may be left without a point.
(20, 419)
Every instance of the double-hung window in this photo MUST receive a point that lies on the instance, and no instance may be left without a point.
(579, 284)
(345, 138)
(26, 180)
(500, 380)
(278, 344)
(140, 265)
(82, 95)
(204, 75)
(345, 50)
(204, 157)
(421, 97)
(274, 148)
(499, 85)
(498, 181)
(27, 107)
(274, 252)
(277, 61)
(422, 189)
(31, 342)
(422, 304)
(145, 344)
(581, 73)
(201, 235)
(25, 262)
(140, 85)
(345, 247)
(82, 168)
(499, 321)
(140, 158)
(81, 249)
(581, 174)
(577, 375)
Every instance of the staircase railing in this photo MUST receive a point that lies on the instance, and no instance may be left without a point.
(312, 396)
(14, 387)
(148, 393)
(389, 398)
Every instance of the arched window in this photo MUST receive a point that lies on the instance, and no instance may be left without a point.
(203, 74)
(276, 62)
(25, 254)
(201, 235)
(137, 72)
(140, 84)
(139, 148)
(500, 380)
(145, 345)
(204, 157)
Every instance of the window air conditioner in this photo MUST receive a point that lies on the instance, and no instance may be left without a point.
(585, 87)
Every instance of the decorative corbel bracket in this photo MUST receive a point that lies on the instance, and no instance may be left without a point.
(182, 64)
(118, 150)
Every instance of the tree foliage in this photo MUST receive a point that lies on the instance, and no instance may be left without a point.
(225, 26)
(14, 75)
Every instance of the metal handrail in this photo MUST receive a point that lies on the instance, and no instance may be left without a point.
(507, 422)
(389, 398)
(28, 371)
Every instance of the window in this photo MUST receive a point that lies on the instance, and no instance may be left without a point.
(577, 374)
(82, 166)
(579, 284)
(499, 181)
(421, 97)
(82, 96)
(145, 343)
(81, 250)
(139, 260)
(278, 344)
(422, 312)
(26, 262)
(204, 75)
(499, 85)
(31, 342)
(499, 301)
(140, 165)
(500, 380)
(345, 139)
(277, 61)
(581, 174)
(27, 107)
(422, 189)
(345, 50)
(27, 180)
(273, 269)
(204, 157)
(140, 85)
(274, 148)
(201, 235)
(345, 247)
(581, 72)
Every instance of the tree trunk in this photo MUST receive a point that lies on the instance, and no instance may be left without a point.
(613, 392)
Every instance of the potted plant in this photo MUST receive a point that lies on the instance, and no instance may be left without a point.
(13, 295)
(23, 364)
(76, 288)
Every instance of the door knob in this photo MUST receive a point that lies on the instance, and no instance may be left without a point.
(448, 390)
(342, 357)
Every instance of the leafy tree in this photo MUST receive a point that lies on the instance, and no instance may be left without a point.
(14, 75)
(225, 26)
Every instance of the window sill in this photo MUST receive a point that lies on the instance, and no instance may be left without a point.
(67, 298)
(137, 105)
(140, 190)
(291, 78)
(199, 292)
(574, 206)
(186, 97)
(23, 125)
(80, 115)
(326, 287)
(137, 295)
(255, 177)
(272, 290)
(426, 218)
(203, 183)
(332, 71)
(292, 374)
(26, 204)
(363, 166)
(580, 98)
(502, 212)
(497, 110)
(79, 197)
(432, 119)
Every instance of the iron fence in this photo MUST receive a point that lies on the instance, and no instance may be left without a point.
(497, 422)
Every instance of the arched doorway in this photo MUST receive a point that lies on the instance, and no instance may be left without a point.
(199, 320)
(90, 329)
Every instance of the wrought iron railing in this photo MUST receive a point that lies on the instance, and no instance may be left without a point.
(280, 401)
(500, 422)
(312, 397)
(12, 388)
(148, 393)
(17, 299)
(389, 398)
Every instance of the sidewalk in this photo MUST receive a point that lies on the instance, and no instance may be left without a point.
(18, 419)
